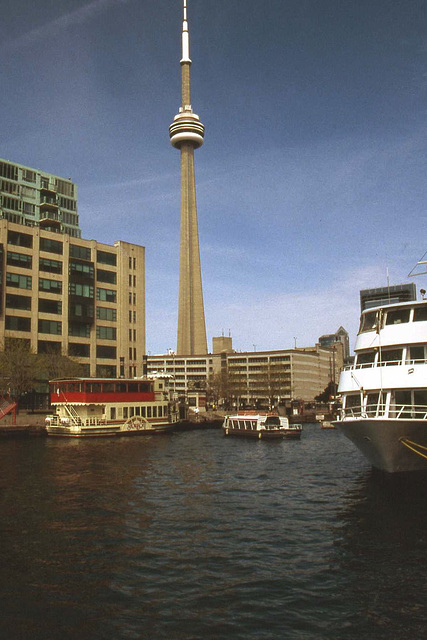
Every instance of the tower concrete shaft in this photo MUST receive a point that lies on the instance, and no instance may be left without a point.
(186, 134)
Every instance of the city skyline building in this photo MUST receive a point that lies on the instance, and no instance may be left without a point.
(186, 134)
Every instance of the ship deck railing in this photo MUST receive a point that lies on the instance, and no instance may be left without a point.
(395, 411)
(57, 421)
(384, 363)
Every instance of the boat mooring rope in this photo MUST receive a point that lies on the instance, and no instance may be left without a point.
(410, 445)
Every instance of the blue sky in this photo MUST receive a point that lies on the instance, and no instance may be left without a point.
(311, 183)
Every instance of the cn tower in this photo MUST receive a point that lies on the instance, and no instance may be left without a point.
(186, 134)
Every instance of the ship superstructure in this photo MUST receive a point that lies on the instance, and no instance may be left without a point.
(384, 392)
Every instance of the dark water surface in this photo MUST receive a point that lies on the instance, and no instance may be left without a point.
(198, 536)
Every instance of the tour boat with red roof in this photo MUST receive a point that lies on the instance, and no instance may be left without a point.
(111, 407)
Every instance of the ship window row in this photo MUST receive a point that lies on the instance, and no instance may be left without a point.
(409, 355)
(243, 424)
(375, 320)
(143, 412)
(399, 403)
(80, 386)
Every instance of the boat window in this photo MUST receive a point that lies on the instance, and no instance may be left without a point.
(143, 412)
(368, 322)
(131, 412)
(420, 314)
(95, 387)
(133, 387)
(365, 357)
(112, 413)
(144, 387)
(397, 316)
(375, 402)
(148, 412)
(401, 403)
(125, 412)
(121, 387)
(416, 353)
(273, 421)
(390, 357)
(137, 411)
(420, 401)
(160, 411)
(108, 387)
(154, 412)
(352, 402)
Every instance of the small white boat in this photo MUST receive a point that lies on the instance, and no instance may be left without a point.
(260, 425)
(111, 407)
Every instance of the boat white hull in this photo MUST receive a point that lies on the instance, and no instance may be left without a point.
(380, 441)
(105, 431)
(287, 434)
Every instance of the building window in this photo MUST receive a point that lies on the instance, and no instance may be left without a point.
(16, 280)
(15, 323)
(47, 346)
(28, 175)
(106, 352)
(50, 306)
(105, 371)
(28, 208)
(9, 171)
(18, 302)
(20, 239)
(11, 203)
(19, 260)
(79, 349)
(76, 251)
(52, 266)
(52, 246)
(105, 257)
(79, 329)
(64, 187)
(106, 295)
(82, 290)
(53, 286)
(80, 310)
(106, 333)
(81, 268)
(106, 276)
(50, 326)
(104, 313)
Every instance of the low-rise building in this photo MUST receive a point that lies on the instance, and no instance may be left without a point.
(251, 378)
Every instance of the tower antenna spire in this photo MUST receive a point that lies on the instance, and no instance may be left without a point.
(185, 37)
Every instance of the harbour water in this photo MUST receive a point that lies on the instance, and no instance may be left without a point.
(197, 536)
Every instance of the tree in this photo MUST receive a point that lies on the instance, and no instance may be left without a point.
(328, 394)
(19, 367)
(55, 365)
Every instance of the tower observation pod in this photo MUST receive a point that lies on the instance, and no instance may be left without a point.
(186, 134)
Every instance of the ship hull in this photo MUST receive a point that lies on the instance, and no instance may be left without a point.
(382, 442)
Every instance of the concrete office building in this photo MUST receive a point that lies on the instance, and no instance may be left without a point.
(73, 296)
(186, 134)
(256, 377)
(36, 198)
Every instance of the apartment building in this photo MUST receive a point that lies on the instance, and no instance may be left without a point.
(36, 198)
(77, 297)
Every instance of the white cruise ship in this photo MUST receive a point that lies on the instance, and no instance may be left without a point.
(384, 392)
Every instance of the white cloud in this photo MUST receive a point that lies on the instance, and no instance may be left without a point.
(52, 28)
